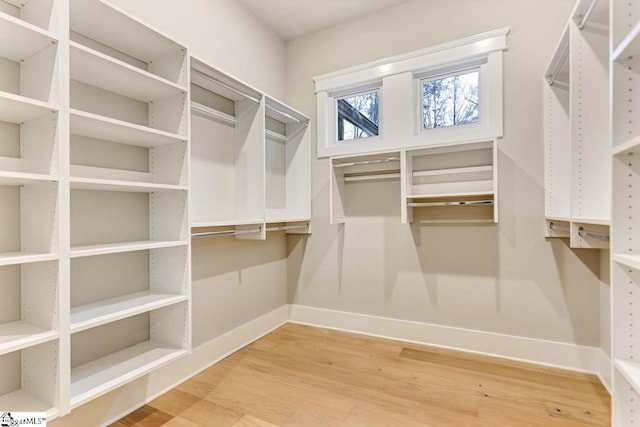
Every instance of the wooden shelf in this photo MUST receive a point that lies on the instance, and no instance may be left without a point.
(110, 372)
(108, 129)
(115, 248)
(13, 258)
(102, 312)
(97, 69)
(17, 335)
(20, 401)
(78, 183)
(20, 109)
(111, 26)
(32, 38)
(632, 261)
(22, 178)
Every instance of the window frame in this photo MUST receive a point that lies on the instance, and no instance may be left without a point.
(400, 106)
(336, 96)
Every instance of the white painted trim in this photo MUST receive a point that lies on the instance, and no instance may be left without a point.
(498, 37)
(542, 352)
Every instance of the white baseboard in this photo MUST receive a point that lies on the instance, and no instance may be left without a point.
(550, 353)
(122, 401)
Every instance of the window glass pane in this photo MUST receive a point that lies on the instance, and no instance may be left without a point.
(358, 116)
(450, 101)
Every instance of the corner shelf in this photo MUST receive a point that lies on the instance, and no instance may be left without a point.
(105, 374)
(105, 128)
(116, 248)
(113, 309)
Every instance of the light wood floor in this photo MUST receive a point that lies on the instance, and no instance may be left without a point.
(304, 376)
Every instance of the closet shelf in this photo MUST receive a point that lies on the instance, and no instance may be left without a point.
(17, 335)
(105, 128)
(629, 46)
(21, 401)
(212, 113)
(110, 372)
(115, 248)
(23, 257)
(591, 221)
(32, 38)
(632, 261)
(275, 136)
(628, 147)
(102, 312)
(224, 223)
(21, 178)
(451, 195)
(97, 69)
(111, 26)
(630, 371)
(20, 109)
(79, 183)
(453, 171)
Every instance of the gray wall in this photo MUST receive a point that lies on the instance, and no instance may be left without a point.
(505, 278)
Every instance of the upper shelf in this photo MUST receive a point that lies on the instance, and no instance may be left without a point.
(107, 24)
(108, 129)
(29, 38)
(20, 109)
(282, 113)
(215, 81)
(97, 69)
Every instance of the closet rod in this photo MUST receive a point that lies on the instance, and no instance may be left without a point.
(600, 236)
(554, 227)
(551, 79)
(587, 14)
(211, 112)
(366, 162)
(226, 86)
(288, 227)
(456, 203)
(356, 178)
(282, 113)
(227, 232)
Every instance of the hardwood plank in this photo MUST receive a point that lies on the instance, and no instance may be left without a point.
(304, 376)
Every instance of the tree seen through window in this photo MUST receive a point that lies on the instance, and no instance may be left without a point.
(450, 101)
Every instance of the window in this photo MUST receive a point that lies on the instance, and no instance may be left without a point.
(358, 116)
(445, 94)
(450, 100)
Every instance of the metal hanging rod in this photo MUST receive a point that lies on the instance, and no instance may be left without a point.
(551, 79)
(227, 86)
(227, 232)
(371, 177)
(366, 162)
(211, 112)
(554, 227)
(288, 227)
(456, 203)
(600, 236)
(282, 113)
(587, 14)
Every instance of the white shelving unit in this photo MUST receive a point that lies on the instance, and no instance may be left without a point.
(577, 180)
(454, 182)
(129, 228)
(228, 170)
(30, 96)
(287, 163)
(351, 170)
(625, 271)
(250, 160)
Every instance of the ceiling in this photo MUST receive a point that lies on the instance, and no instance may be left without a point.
(293, 18)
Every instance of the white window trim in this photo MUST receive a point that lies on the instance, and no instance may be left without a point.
(400, 76)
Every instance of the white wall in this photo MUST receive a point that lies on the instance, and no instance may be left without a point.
(222, 33)
(506, 278)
